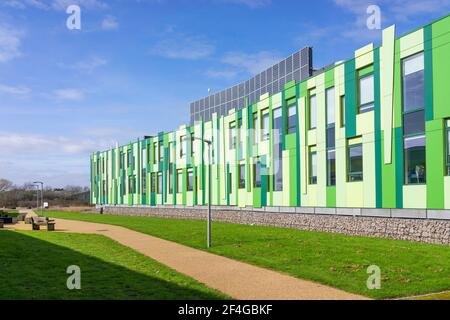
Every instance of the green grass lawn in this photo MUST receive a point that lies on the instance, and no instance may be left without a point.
(11, 213)
(33, 266)
(337, 260)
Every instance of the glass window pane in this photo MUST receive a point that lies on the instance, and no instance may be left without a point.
(241, 176)
(265, 126)
(160, 183)
(313, 168)
(312, 112)
(355, 162)
(413, 83)
(330, 106)
(179, 181)
(292, 118)
(190, 180)
(366, 88)
(415, 160)
(331, 167)
(414, 122)
(257, 175)
(331, 140)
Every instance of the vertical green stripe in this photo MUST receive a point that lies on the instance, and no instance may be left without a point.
(428, 56)
(350, 99)
(378, 158)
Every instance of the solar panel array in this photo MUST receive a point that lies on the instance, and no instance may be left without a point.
(296, 67)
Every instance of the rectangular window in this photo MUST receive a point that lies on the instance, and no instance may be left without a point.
(241, 176)
(233, 135)
(257, 175)
(366, 93)
(292, 118)
(130, 159)
(192, 144)
(312, 166)
(331, 167)
(153, 182)
(170, 180)
(132, 184)
(182, 146)
(190, 180)
(179, 181)
(312, 112)
(277, 149)
(161, 152)
(230, 182)
(155, 152)
(448, 147)
(255, 127)
(265, 122)
(414, 119)
(330, 107)
(355, 162)
(170, 152)
(148, 153)
(413, 83)
(144, 181)
(160, 182)
(241, 139)
(144, 157)
(342, 109)
(415, 160)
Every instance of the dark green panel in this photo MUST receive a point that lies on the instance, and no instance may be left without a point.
(350, 99)
(378, 146)
(428, 56)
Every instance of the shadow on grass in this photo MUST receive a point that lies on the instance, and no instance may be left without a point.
(34, 268)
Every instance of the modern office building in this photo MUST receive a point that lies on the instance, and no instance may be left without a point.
(370, 132)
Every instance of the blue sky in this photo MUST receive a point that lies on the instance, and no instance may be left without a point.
(135, 65)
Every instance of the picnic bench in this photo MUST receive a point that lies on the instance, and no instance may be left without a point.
(37, 222)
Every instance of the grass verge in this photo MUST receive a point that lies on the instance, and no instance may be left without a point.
(340, 261)
(33, 266)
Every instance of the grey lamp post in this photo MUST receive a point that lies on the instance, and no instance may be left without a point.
(209, 144)
(42, 195)
(37, 195)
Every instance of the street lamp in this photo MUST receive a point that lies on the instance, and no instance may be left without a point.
(42, 195)
(37, 195)
(209, 144)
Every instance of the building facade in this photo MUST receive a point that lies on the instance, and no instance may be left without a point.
(369, 132)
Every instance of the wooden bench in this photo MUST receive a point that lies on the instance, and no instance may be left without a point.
(37, 222)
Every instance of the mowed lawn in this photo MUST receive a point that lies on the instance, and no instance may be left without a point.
(33, 266)
(340, 261)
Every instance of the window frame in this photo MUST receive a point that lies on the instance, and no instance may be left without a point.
(233, 135)
(405, 167)
(189, 187)
(312, 152)
(179, 188)
(255, 119)
(310, 125)
(242, 182)
(351, 174)
(265, 132)
(291, 129)
(447, 154)
(182, 148)
(329, 183)
(371, 103)
(257, 178)
(153, 182)
(159, 185)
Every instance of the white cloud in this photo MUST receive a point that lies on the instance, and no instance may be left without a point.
(10, 42)
(110, 23)
(68, 94)
(13, 143)
(180, 46)
(252, 63)
(250, 3)
(88, 65)
(16, 91)
(222, 74)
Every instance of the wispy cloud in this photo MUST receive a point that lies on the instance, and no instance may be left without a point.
(181, 46)
(253, 63)
(16, 91)
(10, 42)
(222, 74)
(69, 94)
(249, 3)
(87, 65)
(110, 23)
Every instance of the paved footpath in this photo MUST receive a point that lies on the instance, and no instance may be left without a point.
(237, 279)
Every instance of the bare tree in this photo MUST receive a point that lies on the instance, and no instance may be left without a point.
(5, 185)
